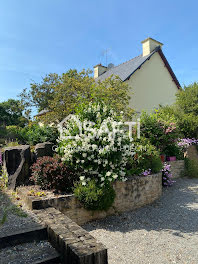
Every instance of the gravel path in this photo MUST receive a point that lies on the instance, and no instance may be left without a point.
(17, 218)
(26, 253)
(161, 233)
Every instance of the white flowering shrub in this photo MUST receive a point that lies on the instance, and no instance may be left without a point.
(95, 142)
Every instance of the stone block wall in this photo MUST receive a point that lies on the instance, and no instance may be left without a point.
(177, 167)
(192, 153)
(132, 194)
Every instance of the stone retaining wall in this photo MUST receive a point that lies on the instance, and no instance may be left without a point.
(177, 167)
(134, 193)
(192, 153)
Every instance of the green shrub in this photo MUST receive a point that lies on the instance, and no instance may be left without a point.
(146, 157)
(93, 196)
(191, 168)
(51, 173)
(32, 134)
(162, 132)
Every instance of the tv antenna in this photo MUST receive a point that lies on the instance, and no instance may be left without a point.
(105, 54)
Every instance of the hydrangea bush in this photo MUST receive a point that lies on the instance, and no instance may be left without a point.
(95, 142)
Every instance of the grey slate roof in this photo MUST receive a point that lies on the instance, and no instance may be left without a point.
(126, 69)
(42, 112)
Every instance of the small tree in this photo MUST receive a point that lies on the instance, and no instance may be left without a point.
(61, 94)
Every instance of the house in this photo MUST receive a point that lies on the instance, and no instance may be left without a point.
(151, 80)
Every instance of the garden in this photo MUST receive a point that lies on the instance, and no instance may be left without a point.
(95, 147)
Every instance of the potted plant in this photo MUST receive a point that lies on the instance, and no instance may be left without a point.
(172, 151)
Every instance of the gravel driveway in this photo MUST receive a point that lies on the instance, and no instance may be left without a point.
(164, 232)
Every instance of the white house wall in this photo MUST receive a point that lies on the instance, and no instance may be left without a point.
(152, 85)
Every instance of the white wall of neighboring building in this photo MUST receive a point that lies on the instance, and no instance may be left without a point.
(152, 85)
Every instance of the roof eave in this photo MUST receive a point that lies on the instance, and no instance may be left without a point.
(156, 50)
(167, 65)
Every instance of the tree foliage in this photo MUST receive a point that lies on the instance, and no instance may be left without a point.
(187, 110)
(11, 113)
(61, 94)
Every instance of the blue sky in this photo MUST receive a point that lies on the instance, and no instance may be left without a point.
(42, 36)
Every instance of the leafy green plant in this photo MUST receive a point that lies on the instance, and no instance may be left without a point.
(146, 157)
(191, 168)
(162, 132)
(93, 196)
(8, 207)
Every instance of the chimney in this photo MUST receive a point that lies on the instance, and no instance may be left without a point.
(148, 45)
(98, 70)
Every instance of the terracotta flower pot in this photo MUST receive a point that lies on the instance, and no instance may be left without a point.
(163, 157)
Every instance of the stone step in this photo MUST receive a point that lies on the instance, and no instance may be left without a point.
(23, 236)
(34, 252)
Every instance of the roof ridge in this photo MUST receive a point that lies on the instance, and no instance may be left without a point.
(125, 69)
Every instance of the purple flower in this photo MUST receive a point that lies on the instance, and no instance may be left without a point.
(167, 175)
(184, 143)
(146, 172)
